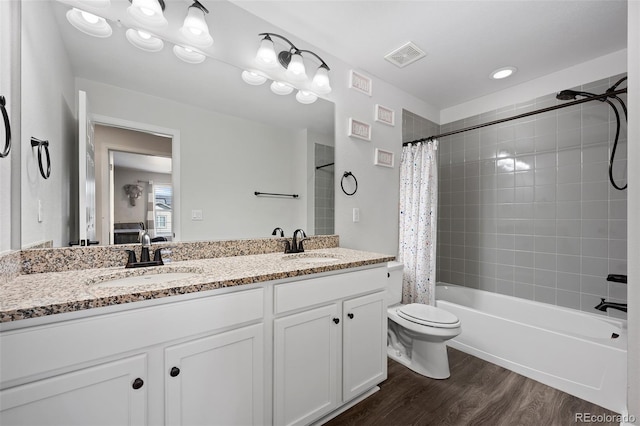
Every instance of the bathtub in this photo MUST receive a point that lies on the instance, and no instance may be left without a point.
(573, 351)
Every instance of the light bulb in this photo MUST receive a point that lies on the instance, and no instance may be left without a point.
(281, 88)
(321, 82)
(144, 41)
(253, 78)
(195, 29)
(147, 13)
(89, 23)
(306, 97)
(266, 55)
(296, 70)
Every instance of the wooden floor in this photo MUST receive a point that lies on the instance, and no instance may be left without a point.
(477, 393)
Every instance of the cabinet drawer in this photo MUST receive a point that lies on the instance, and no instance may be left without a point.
(38, 350)
(313, 291)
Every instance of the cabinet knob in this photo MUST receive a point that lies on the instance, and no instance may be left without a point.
(336, 320)
(350, 315)
(137, 383)
(174, 371)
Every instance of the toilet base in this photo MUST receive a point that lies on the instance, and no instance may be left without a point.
(427, 358)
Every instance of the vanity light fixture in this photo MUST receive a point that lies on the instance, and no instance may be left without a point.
(195, 29)
(150, 26)
(148, 13)
(292, 60)
(144, 41)
(89, 23)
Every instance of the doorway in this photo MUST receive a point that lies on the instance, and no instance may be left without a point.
(142, 158)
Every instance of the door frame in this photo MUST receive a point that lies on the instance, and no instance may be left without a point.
(174, 134)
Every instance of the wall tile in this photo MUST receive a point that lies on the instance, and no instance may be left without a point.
(527, 208)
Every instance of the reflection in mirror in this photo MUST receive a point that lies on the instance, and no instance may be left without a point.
(228, 139)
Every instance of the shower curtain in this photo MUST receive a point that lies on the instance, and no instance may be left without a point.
(418, 216)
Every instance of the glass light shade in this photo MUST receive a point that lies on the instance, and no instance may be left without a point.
(305, 97)
(89, 23)
(321, 84)
(266, 55)
(253, 78)
(295, 70)
(147, 13)
(280, 88)
(144, 41)
(188, 55)
(195, 29)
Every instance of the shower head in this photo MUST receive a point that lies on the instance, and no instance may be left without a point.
(567, 95)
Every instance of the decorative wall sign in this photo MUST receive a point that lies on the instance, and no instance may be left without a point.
(383, 158)
(359, 129)
(385, 115)
(360, 83)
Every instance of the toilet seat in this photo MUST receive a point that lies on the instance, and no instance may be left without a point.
(428, 315)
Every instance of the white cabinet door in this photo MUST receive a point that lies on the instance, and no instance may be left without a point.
(306, 365)
(216, 380)
(364, 340)
(113, 393)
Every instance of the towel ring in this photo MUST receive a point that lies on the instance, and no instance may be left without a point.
(346, 175)
(7, 129)
(42, 144)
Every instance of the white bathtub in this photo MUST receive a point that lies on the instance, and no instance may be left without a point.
(564, 348)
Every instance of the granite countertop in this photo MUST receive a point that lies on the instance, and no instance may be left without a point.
(38, 295)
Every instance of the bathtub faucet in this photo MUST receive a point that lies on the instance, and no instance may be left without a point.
(602, 306)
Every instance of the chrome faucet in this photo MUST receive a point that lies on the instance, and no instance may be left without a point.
(603, 306)
(275, 232)
(145, 240)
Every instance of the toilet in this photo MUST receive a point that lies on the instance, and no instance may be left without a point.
(417, 333)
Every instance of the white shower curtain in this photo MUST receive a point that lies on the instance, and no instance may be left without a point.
(418, 217)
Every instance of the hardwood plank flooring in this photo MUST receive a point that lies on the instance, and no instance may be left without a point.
(477, 393)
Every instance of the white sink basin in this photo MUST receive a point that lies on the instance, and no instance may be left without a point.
(144, 279)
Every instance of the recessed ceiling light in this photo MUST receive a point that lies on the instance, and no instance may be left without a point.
(503, 72)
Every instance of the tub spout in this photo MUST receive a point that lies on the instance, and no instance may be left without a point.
(603, 306)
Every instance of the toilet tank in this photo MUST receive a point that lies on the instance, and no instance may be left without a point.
(394, 283)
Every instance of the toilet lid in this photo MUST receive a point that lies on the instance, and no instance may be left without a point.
(428, 315)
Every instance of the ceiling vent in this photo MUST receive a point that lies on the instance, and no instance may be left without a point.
(405, 55)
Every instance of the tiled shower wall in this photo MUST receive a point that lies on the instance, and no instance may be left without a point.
(324, 190)
(526, 208)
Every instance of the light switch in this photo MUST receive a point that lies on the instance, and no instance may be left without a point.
(196, 214)
(356, 214)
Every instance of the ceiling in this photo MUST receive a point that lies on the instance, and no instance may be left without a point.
(464, 40)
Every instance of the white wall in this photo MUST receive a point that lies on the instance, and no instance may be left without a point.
(48, 113)
(224, 160)
(633, 207)
(123, 210)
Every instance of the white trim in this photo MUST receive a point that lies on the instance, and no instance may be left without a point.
(175, 156)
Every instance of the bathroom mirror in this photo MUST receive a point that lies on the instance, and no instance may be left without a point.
(230, 139)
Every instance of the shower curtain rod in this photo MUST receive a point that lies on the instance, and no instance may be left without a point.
(515, 117)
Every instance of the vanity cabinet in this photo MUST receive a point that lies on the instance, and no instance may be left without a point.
(120, 368)
(216, 380)
(112, 393)
(329, 343)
